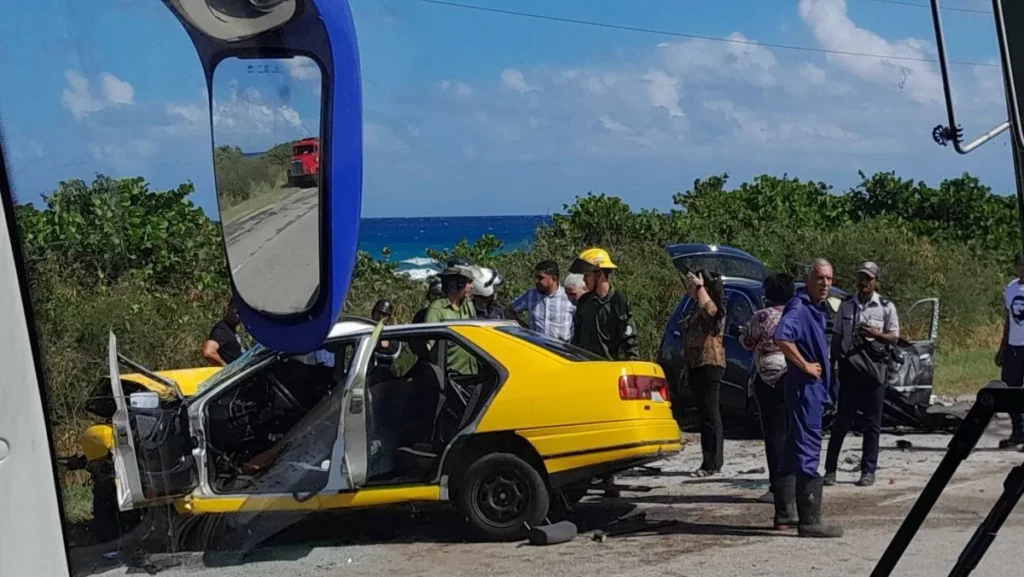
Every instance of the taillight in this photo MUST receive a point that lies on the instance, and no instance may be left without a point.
(642, 387)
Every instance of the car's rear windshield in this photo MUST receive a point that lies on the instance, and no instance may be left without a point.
(560, 348)
(723, 264)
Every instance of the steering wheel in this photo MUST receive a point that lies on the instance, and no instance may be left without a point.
(283, 392)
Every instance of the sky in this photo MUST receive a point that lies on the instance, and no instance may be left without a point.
(474, 112)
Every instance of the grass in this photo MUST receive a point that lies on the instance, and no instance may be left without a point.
(77, 501)
(964, 371)
(262, 195)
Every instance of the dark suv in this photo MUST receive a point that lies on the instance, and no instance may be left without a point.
(910, 387)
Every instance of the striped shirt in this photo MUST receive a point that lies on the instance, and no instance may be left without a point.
(550, 315)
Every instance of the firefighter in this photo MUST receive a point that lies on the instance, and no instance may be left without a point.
(603, 322)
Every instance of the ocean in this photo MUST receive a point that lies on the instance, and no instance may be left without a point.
(409, 238)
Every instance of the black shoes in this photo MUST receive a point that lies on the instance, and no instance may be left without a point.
(785, 503)
(829, 479)
(808, 505)
(866, 480)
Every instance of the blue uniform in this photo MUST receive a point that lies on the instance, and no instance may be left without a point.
(803, 324)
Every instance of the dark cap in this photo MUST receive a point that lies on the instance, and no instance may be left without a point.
(383, 307)
(459, 271)
(869, 268)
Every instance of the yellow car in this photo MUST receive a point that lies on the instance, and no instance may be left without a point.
(496, 419)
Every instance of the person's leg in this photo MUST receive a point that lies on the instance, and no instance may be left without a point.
(785, 495)
(808, 484)
(845, 414)
(872, 403)
(699, 386)
(712, 395)
(765, 396)
(1013, 376)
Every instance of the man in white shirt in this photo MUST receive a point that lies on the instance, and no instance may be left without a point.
(1010, 356)
(548, 306)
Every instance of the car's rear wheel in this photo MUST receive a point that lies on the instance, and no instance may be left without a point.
(500, 494)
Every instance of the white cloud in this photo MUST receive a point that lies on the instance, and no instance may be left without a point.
(834, 30)
(78, 97)
(117, 91)
(663, 91)
(514, 79)
(811, 73)
(613, 125)
(457, 87)
(303, 68)
(245, 112)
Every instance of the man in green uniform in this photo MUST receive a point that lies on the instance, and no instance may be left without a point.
(454, 306)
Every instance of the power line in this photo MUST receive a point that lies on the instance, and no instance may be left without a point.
(658, 32)
(928, 6)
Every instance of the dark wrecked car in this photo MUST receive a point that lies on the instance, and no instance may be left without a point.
(909, 389)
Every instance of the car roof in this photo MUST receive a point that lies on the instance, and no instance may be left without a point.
(750, 284)
(675, 250)
(352, 325)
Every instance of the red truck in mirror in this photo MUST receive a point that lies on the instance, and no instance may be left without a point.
(304, 168)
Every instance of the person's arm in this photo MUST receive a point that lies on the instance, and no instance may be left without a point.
(890, 332)
(630, 340)
(210, 353)
(793, 355)
(1004, 340)
(750, 337)
(517, 307)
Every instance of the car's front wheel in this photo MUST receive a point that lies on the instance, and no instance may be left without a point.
(500, 494)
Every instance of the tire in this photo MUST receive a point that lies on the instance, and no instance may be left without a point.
(500, 493)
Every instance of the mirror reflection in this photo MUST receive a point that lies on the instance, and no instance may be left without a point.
(266, 136)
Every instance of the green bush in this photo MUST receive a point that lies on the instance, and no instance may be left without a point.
(150, 265)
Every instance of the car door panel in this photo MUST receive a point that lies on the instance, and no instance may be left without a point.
(152, 454)
(354, 439)
(914, 379)
(735, 392)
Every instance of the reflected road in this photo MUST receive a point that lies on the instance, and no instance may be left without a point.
(274, 253)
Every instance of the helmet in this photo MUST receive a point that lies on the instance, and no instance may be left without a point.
(484, 286)
(383, 307)
(590, 260)
(458, 261)
(465, 272)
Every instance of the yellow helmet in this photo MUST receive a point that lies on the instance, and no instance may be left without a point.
(592, 259)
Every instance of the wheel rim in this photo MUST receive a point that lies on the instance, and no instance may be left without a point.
(503, 497)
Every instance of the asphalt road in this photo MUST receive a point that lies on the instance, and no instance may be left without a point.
(274, 253)
(716, 527)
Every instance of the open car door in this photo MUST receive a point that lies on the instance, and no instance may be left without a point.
(152, 452)
(353, 446)
(910, 385)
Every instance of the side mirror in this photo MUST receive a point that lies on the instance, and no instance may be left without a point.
(737, 330)
(1009, 16)
(289, 170)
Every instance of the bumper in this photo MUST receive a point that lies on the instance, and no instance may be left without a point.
(574, 453)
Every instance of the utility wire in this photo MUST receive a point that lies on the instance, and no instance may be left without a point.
(658, 32)
(928, 6)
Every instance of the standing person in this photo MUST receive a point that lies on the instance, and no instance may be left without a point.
(801, 338)
(450, 307)
(1010, 357)
(433, 293)
(548, 308)
(574, 287)
(704, 359)
(867, 327)
(770, 366)
(603, 323)
(483, 295)
(224, 344)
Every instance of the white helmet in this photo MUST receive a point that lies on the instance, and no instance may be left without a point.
(483, 285)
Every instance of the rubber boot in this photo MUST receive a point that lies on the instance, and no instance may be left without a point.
(785, 503)
(808, 505)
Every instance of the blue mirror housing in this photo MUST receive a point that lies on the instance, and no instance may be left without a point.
(324, 31)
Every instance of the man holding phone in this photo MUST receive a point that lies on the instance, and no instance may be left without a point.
(867, 326)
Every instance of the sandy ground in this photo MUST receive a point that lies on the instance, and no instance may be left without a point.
(716, 526)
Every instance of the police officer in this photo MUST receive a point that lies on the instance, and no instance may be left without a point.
(866, 328)
(800, 336)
